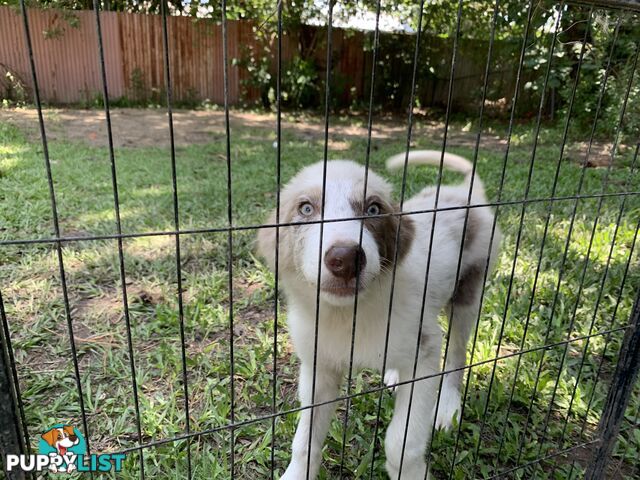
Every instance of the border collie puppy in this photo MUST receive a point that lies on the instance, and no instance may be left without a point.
(338, 265)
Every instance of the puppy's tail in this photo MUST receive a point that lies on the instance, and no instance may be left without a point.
(433, 158)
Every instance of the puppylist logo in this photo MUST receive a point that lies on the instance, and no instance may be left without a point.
(63, 449)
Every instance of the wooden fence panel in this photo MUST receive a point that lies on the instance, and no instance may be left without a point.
(66, 57)
(67, 62)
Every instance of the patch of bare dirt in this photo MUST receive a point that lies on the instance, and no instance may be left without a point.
(149, 127)
(598, 155)
(109, 306)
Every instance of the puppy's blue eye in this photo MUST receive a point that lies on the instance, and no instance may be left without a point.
(373, 209)
(305, 209)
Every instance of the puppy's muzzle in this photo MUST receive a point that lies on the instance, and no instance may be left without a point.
(345, 261)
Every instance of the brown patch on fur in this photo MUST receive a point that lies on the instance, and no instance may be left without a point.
(468, 286)
(428, 343)
(385, 229)
(424, 342)
(471, 230)
(471, 278)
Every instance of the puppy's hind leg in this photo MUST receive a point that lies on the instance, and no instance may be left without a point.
(463, 315)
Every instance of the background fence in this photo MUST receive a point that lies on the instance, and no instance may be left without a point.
(135, 64)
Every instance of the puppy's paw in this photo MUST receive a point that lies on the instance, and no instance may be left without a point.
(411, 470)
(298, 471)
(449, 409)
(71, 467)
(292, 473)
(392, 377)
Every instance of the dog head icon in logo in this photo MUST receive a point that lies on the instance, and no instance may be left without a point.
(64, 441)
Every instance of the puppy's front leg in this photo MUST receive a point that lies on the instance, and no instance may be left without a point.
(410, 464)
(327, 388)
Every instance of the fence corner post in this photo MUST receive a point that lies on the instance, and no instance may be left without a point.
(619, 394)
(11, 438)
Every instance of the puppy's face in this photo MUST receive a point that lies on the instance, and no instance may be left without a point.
(346, 263)
(61, 438)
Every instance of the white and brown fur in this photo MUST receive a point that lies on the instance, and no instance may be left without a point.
(298, 268)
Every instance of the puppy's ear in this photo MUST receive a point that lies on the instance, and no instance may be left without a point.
(51, 436)
(267, 242)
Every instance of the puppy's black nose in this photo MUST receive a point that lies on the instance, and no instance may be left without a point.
(345, 261)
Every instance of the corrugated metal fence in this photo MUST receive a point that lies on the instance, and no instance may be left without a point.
(66, 56)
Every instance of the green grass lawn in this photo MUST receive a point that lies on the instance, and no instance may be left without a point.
(31, 288)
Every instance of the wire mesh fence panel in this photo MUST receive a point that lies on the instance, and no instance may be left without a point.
(410, 324)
